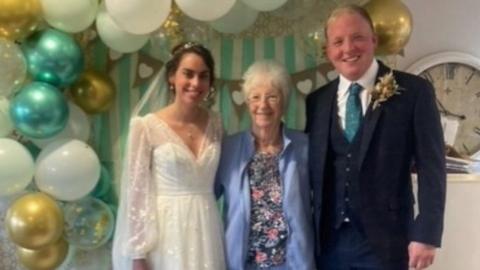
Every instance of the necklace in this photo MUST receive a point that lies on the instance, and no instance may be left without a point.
(190, 133)
(271, 150)
(189, 130)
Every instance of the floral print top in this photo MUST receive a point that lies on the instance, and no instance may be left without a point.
(268, 228)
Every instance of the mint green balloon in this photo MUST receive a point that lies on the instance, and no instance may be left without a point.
(53, 57)
(39, 111)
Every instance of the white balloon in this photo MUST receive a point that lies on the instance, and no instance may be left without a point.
(264, 5)
(67, 169)
(6, 125)
(139, 16)
(71, 16)
(78, 127)
(239, 18)
(116, 38)
(16, 167)
(205, 10)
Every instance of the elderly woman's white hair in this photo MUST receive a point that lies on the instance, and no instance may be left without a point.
(267, 72)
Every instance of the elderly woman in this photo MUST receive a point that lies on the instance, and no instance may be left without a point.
(264, 180)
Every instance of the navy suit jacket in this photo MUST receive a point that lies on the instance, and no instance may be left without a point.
(403, 130)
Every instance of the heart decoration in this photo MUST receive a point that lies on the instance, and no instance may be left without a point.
(144, 71)
(331, 75)
(305, 86)
(238, 97)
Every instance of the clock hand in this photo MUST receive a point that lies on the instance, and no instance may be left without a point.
(448, 113)
(477, 130)
(466, 148)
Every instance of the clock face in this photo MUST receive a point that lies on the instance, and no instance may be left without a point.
(457, 88)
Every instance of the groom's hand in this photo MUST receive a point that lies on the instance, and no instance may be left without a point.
(420, 255)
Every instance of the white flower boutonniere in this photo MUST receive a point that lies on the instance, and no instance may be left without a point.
(385, 88)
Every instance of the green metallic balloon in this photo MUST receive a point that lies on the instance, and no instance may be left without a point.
(39, 110)
(104, 184)
(53, 57)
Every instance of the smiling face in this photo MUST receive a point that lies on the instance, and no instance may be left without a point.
(191, 80)
(350, 45)
(265, 105)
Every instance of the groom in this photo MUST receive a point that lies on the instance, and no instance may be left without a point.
(362, 148)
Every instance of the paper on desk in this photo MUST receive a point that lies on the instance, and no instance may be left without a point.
(450, 129)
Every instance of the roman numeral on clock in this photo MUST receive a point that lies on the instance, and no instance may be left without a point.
(450, 71)
(428, 76)
(469, 78)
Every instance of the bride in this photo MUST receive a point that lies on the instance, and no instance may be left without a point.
(168, 217)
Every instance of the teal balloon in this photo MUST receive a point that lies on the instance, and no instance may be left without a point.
(39, 111)
(53, 57)
(89, 223)
(104, 184)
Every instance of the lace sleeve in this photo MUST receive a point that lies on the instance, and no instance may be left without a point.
(217, 126)
(136, 222)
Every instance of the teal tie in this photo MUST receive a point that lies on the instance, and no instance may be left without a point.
(353, 114)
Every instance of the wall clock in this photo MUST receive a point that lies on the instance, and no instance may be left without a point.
(456, 79)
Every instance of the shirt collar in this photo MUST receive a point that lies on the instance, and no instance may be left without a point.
(366, 81)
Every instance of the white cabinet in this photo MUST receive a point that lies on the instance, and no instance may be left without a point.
(461, 238)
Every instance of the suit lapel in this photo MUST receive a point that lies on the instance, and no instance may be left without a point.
(371, 119)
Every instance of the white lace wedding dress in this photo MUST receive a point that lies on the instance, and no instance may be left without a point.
(170, 216)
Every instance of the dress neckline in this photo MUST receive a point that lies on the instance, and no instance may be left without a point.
(179, 139)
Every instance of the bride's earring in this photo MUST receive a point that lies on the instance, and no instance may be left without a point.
(210, 94)
(209, 98)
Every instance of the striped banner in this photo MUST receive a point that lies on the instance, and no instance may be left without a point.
(232, 58)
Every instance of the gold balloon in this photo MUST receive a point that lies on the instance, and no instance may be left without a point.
(45, 258)
(94, 92)
(393, 24)
(34, 221)
(19, 18)
(172, 28)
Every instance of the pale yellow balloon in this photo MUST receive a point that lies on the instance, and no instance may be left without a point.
(34, 221)
(45, 258)
(19, 18)
(392, 21)
(94, 92)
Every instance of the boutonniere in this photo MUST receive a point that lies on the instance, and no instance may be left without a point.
(385, 88)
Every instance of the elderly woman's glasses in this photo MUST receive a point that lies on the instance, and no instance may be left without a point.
(270, 99)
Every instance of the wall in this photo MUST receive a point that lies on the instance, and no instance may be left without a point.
(446, 25)
(442, 25)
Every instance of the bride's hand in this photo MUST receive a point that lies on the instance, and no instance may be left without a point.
(140, 264)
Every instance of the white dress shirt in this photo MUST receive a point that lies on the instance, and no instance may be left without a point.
(366, 81)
